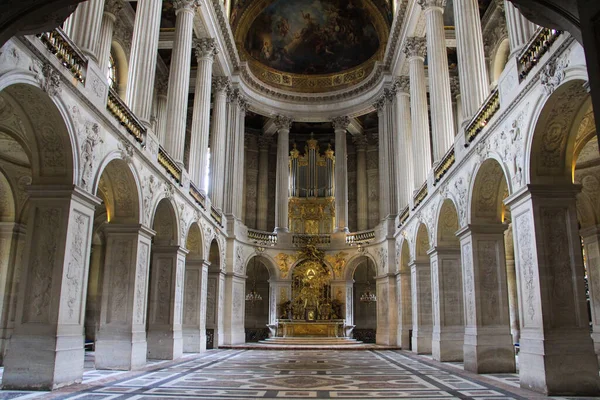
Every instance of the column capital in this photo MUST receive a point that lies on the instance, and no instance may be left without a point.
(361, 142)
(243, 104)
(205, 48)
(113, 7)
(221, 84)
(454, 86)
(233, 94)
(427, 4)
(340, 123)
(379, 104)
(402, 84)
(185, 5)
(415, 47)
(283, 123)
(161, 86)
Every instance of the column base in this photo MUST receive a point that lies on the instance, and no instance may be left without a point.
(165, 345)
(421, 342)
(235, 337)
(385, 339)
(43, 362)
(194, 340)
(562, 366)
(448, 346)
(486, 353)
(121, 353)
(404, 339)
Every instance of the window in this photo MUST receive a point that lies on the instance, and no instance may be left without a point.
(112, 73)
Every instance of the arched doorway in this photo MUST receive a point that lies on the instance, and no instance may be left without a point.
(420, 269)
(404, 291)
(257, 301)
(364, 305)
(215, 297)
(194, 300)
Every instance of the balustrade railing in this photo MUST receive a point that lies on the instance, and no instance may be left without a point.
(444, 166)
(322, 239)
(216, 215)
(404, 214)
(169, 165)
(262, 238)
(360, 238)
(537, 47)
(420, 196)
(125, 116)
(198, 197)
(483, 116)
(59, 44)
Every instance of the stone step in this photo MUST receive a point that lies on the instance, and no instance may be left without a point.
(311, 340)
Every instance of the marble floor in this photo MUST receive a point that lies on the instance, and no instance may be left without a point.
(292, 374)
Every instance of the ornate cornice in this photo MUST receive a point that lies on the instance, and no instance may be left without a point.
(415, 47)
(340, 123)
(226, 33)
(283, 122)
(206, 48)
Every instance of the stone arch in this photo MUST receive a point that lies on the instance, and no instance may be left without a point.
(194, 242)
(122, 66)
(355, 261)
(422, 244)
(8, 208)
(214, 255)
(165, 223)
(447, 224)
(267, 261)
(499, 60)
(489, 188)
(302, 260)
(405, 257)
(119, 189)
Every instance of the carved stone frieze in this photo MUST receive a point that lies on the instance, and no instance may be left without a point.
(553, 73)
(91, 139)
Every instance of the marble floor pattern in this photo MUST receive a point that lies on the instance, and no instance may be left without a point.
(292, 374)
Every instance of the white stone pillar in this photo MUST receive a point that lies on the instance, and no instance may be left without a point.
(415, 50)
(161, 111)
(405, 174)
(217, 146)
(556, 351)
(474, 83)
(214, 304)
(404, 301)
(362, 196)
(488, 344)
(240, 159)
(284, 125)
(233, 120)
(448, 314)
(142, 60)
(442, 122)
(121, 340)
(340, 124)
(206, 50)
(112, 8)
(165, 338)
(83, 27)
(456, 102)
(520, 29)
(388, 202)
(262, 195)
(48, 335)
(421, 306)
(194, 306)
(386, 310)
(511, 282)
(234, 309)
(179, 78)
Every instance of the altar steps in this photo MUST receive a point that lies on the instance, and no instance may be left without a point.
(311, 341)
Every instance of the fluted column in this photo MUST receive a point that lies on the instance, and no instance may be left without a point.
(240, 170)
(340, 124)
(230, 151)
(160, 123)
(111, 10)
(442, 122)
(83, 27)
(415, 50)
(206, 50)
(387, 157)
(456, 101)
(262, 200)
(281, 192)
(472, 70)
(142, 60)
(217, 147)
(361, 183)
(179, 78)
(403, 130)
(520, 29)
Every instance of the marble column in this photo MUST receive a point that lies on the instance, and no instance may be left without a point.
(456, 102)
(165, 338)
(214, 304)
(160, 117)
(179, 78)
(442, 122)
(262, 193)
(404, 318)
(448, 314)
(556, 351)
(362, 195)
(474, 83)
(488, 344)
(231, 147)
(415, 50)
(142, 59)
(46, 348)
(83, 27)
(511, 282)
(217, 147)
(112, 8)
(206, 50)
(121, 339)
(420, 271)
(284, 125)
(405, 174)
(387, 310)
(388, 196)
(520, 29)
(340, 124)
(240, 160)
(194, 306)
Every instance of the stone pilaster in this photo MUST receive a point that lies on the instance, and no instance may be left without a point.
(240, 160)
(520, 29)
(206, 50)
(386, 310)
(215, 303)
(194, 306)
(160, 124)
(388, 197)
(415, 50)
(456, 102)
(231, 152)
(511, 282)
(404, 318)
(83, 27)
(442, 122)
(362, 198)
(112, 8)
(262, 201)
(556, 351)
(404, 174)
(121, 340)
(219, 127)
(284, 125)
(179, 78)
(340, 124)
(46, 348)
(421, 306)
(234, 310)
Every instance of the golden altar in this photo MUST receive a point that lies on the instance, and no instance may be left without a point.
(294, 328)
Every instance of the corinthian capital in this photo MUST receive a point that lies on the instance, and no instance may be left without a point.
(220, 83)
(113, 7)
(425, 4)
(341, 123)
(283, 122)
(415, 47)
(379, 104)
(402, 84)
(185, 5)
(206, 48)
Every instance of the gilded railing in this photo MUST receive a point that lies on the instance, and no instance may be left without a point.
(198, 197)
(537, 47)
(125, 116)
(216, 215)
(262, 238)
(420, 196)
(323, 239)
(483, 116)
(444, 166)
(404, 216)
(169, 164)
(66, 51)
(360, 238)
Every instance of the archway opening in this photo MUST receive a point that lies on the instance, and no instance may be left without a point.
(365, 311)
(216, 279)
(257, 301)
